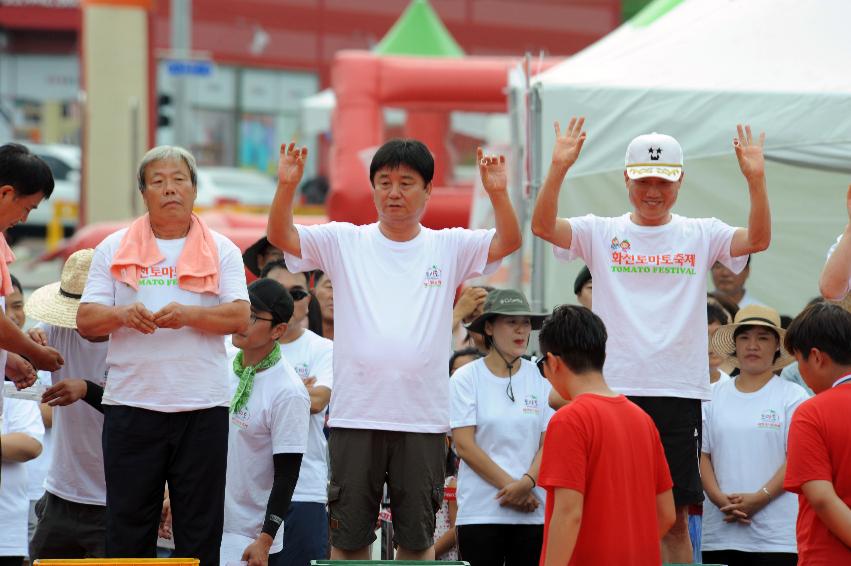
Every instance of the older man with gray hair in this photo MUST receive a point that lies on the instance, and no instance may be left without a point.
(166, 290)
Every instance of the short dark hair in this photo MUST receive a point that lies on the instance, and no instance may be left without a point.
(25, 171)
(577, 336)
(463, 353)
(825, 326)
(412, 153)
(274, 264)
(715, 313)
(729, 305)
(16, 284)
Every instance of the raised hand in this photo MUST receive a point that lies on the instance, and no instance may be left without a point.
(567, 146)
(749, 152)
(492, 172)
(291, 164)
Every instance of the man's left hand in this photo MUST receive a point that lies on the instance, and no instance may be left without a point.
(257, 553)
(173, 315)
(492, 172)
(749, 153)
(20, 371)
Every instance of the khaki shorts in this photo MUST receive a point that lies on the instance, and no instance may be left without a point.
(413, 466)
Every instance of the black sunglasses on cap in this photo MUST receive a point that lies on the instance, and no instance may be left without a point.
(298, 293)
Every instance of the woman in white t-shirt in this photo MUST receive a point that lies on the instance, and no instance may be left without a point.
(499, 414)
(748, 516)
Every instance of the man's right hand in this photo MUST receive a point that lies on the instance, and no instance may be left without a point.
(65, 392)
(567, 146)
(46, 358)
(469, 302)
(137, 317)
(291, 164)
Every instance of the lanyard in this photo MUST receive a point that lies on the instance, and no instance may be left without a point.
(841, 380)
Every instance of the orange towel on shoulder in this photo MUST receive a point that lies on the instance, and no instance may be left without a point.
(6, 257)
(197, 266)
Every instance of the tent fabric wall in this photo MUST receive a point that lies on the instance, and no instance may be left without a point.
(695, 73)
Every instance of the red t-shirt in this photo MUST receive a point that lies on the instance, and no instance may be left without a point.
(608, 449)
(819, 448)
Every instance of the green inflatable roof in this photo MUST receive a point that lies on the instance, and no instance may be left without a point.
(419, 31)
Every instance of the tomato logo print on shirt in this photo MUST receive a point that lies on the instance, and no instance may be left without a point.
(241, 418)
(530, 405)
(622, 260)
(302, 370)
(433, 277)
(158, 276)
(769, 420)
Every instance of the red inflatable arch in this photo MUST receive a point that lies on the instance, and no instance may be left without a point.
(428, 89)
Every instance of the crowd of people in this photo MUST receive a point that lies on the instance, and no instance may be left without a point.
(267, 422)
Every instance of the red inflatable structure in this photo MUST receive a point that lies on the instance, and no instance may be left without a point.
(428, 89)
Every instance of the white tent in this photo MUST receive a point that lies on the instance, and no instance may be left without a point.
(695, 72)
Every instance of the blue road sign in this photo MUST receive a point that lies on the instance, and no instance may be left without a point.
(189, 67)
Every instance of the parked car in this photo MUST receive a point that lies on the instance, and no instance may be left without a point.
(230, 187)
(64, 162)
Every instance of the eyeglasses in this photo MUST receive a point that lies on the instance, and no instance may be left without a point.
(254, 318)
(541, 363)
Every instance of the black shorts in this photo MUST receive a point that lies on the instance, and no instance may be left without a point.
(680, 426)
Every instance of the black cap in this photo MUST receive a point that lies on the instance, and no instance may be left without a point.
(581, 279)
(267, 295)
(249, 256)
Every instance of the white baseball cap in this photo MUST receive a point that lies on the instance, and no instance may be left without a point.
(654, 155)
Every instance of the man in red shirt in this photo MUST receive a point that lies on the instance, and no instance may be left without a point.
(818, 461)
(603, 465)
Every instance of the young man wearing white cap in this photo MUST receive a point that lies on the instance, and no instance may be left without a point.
(650, 270)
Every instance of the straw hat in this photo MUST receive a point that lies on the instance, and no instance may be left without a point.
(845, 303)
(57, 303)
(723, 342)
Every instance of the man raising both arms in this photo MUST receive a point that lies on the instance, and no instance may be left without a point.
(394, 285)
(650, 268)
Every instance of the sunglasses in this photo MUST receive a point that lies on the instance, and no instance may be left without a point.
(540, 364)
(298, 293)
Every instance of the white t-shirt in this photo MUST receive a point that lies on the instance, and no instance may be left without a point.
(37, 469)
(275, 420)
(313, 356)
(392, 319)
(650, 291)
(508, 432)
(169, 370)
(21, 415)
(76, 469)
(3, 356)
(745, 433)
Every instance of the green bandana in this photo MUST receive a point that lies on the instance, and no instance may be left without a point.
(246, 376)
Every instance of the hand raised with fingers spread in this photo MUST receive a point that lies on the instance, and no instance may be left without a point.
(492, 172)
(291, 164)
(567, 146)
(749, 152)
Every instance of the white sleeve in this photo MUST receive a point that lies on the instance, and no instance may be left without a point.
(23, 415)
(721, 238)
(290, 422)
(471, 249)
(320, 248)
(547, 412)
(706, 410)
(462, 391)
(322, 364)
(232, 286)
(797, 395)
(100, 285)
(582, 230)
